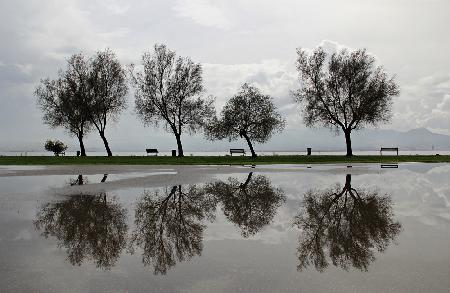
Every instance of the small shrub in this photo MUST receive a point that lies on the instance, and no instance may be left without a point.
(56, 146)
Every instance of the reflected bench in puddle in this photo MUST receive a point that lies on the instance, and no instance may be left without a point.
(169, 222)
(346, 226)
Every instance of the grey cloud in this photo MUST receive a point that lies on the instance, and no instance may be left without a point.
(425, 103)
(203, 12)
(237, 41)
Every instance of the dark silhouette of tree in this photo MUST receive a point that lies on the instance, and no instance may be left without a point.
(249, 114)
(108, 89)
(168, 91)
(170, 225)
(250, 205)
(88, 226)
(105, 176)
(347, 224)
(55, 146)
(64, 101)
(80, 180)
(348, 92)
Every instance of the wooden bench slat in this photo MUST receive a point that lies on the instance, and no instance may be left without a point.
(237, 151)
(389, 150)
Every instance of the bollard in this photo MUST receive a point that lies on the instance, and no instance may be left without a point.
(174, 153)
(308, 151)
(78, 153)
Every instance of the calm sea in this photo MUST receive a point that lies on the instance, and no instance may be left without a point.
(262, 153)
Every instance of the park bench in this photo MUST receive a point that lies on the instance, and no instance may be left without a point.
(388, 150)
(237, 151)
(152, 151)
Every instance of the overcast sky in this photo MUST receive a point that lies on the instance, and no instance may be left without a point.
(236, 41)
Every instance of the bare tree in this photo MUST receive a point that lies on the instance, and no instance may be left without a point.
(88, 226)
(347, 223)
(108, 89)
(170, 225)
(249, 114)
(347, 92)
(168, 91)
(250, 205)
(64, 100)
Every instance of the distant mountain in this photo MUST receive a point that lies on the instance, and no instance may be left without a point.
(366, 139)
(299, 139)
(415, 139)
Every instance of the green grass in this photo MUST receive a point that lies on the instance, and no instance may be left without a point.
(215, 160)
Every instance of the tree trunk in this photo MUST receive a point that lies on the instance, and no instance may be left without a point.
(80, 179)
(348, 141)
(105, 142)
(180, 146)
(244, 134)
(348, 181)
(83, 151)
(249, 177)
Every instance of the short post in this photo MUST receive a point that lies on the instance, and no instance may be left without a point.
(78, 153)
(174, 153)
(308, 151)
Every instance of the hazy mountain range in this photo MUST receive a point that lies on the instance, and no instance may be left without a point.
(415, 139)
(367, 139)
(290, 140)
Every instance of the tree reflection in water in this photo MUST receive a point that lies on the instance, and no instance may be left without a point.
(250, 205)
(80, 180)
(351, 225)
(88, 226)
(170, 225)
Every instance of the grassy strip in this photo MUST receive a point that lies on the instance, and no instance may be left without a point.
(215, 160)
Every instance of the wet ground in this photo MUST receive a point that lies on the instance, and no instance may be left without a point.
(327, 228)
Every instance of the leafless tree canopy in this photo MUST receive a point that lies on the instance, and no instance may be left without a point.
(108, 87)
(251, 205)
(249, 114)
(348, 224)
(89, 226)
(168, 92)
(64, 101)
(346, 92)
(89, 93)
(170, 225)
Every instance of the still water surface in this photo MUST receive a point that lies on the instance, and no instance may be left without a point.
(326, 229)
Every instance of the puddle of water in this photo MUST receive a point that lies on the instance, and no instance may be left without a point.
(253, 232)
